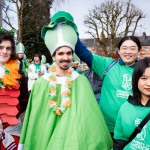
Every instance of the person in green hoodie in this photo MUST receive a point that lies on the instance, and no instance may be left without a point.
(116, 85)
(21, 58)
(134, 111)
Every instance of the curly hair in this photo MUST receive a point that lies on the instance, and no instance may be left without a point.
(8, 37)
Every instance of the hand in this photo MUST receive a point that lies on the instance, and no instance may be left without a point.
(75, 64)
(40, 73)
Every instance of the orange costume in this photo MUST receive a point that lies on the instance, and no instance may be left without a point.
(11, 102)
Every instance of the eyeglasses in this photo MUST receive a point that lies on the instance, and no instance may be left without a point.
(131, 48)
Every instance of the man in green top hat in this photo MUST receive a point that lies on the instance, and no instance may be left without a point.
(62, 112)
(21, 58)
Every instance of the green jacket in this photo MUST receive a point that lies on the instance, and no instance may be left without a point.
(80, 127)
(129, 117)
(25, 66)
(115, 89)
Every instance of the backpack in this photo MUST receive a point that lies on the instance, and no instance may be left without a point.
(107, 69)
(95, 80)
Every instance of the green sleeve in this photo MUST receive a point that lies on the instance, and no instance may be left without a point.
(118, 131)
(26, 64)
(100, 63)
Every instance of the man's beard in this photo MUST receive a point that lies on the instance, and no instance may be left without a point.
(67, 67)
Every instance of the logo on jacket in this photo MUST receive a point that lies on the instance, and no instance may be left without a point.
(126, 84)
(138, 142)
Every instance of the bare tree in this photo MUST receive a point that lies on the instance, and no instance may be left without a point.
(29, 16)
(113, 19)
(15, 9)
(0, 12)
(36, 14)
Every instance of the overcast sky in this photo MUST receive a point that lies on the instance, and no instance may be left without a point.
(79, 9)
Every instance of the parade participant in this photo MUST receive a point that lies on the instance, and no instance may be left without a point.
(13, 93)
(21, 57)
(116, 85)
(62, 112)
(35, 70)
(134, 111)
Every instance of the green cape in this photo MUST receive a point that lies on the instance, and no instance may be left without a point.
(81, 127)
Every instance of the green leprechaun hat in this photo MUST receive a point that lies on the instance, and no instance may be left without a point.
(60, 17)
(20, 48)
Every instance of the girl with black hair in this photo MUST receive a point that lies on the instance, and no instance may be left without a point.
(134, 111)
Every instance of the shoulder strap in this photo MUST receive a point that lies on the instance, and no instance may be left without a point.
(87, 73)
(139, 128)
(107, 69)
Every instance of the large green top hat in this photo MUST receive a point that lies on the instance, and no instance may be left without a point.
(60, 17)
(61, 35)
(20, 48)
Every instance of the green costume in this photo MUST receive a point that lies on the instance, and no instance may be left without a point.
(126, 124)
(112, 97)
(24, 65)
(80, 127)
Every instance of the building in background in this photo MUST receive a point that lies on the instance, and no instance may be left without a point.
(95, 48)
(145, 42)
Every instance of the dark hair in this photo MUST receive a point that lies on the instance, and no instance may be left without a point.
(139, 69)
(60, 47)
(8, 37)
(133, 38)
(38, 55)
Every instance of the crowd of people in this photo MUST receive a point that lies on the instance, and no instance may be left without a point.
(62, 110)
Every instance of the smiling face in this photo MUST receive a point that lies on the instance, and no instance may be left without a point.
(128, 52)
(36, 60)
(144, 85)
(63, 58)
(5, 51)
(20, 55)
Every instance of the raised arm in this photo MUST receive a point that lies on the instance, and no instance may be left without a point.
(83, 53)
